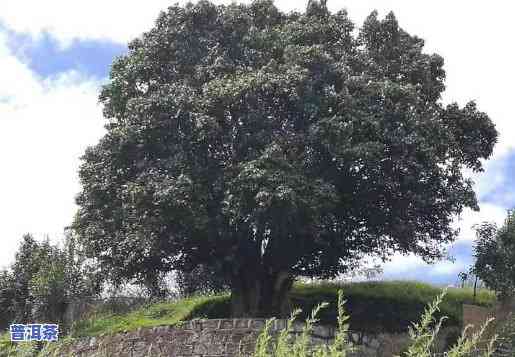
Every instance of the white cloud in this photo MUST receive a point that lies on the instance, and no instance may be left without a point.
(496, 182)
(469, 218)
(44, 128)
(411, 266)
(17, 84)
(400, 264)
(449, 268)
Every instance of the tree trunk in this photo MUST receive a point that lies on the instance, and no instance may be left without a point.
(265, 295)
(475, 290)
(154, 286)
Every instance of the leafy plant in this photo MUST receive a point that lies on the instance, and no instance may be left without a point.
(422, 334)
(495, 254)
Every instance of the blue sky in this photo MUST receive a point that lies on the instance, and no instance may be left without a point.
(54, 56)
(46, 58)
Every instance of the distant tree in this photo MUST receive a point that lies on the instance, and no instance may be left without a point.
(7, 292)
(47, 288)
(43, 280)
(270, 145)
(463, 276)
(495, 256)
(24, 268)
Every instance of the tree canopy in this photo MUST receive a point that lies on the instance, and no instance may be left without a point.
(269, 145)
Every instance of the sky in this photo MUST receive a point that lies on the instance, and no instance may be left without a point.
(55, 55)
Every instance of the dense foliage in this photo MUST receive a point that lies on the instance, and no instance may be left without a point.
(267, 145)
(495, 256)
(200, 280)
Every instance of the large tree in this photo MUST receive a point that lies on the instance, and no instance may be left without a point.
(268, 145)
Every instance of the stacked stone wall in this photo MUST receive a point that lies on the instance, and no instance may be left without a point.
(217, 338)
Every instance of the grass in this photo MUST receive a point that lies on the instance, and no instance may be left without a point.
(9, 349)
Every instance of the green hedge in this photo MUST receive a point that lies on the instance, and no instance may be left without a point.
(386, 306)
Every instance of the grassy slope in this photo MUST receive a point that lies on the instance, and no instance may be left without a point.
(166, 313)
(388, 306)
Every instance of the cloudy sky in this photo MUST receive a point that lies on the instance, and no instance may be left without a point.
(55, 54)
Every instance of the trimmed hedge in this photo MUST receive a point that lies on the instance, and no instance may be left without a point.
(386, 306)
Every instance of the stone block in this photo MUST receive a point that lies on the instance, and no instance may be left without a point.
(232, 348)
(247, 348)
(323, 332)
(238, 336)
(257, 324)
(297, 327)
(184, 349)
(211, 324)
(227, 324)
(221, 336)
(204, 349)
(241, 323)
(280, 324)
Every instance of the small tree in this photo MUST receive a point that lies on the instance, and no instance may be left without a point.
(463, 277)
(43, 280)
(495, 256)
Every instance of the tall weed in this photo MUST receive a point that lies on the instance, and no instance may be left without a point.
(422, 337)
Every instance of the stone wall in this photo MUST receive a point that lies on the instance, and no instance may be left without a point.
(216, 338)
(193, 338)
(208, 338)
